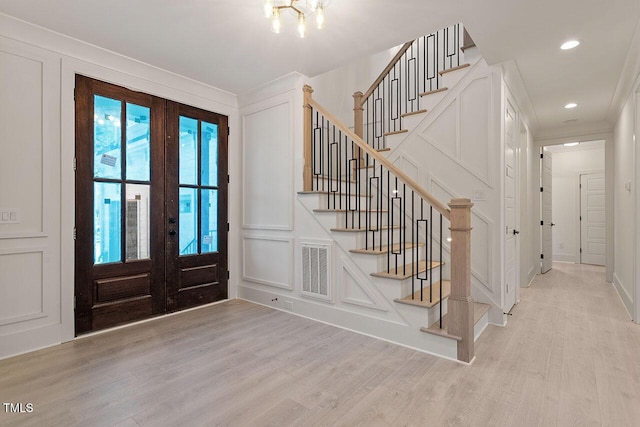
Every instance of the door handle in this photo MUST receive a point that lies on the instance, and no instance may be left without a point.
(172, 220)
(172, 233)
(515, 232)
(552, 224)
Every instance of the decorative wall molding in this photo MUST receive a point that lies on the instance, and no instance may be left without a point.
(268, 204)
(32, 290)
(354, 291)
(263, 262)
(447, 128)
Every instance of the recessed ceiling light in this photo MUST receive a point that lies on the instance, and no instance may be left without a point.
(571, 144)
(571, 105)
(569, 44)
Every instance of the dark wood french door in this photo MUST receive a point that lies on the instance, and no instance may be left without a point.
(151, 206)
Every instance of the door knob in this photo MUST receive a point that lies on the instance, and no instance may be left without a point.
(172, 233)
(172, 220)
(515, 232)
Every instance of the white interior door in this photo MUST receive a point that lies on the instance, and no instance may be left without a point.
(546, 223)
(592, 219)
(511, 207)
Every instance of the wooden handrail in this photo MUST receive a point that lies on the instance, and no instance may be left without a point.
(310, 102)
(386, 70)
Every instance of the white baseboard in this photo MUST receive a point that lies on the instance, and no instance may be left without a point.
(626, 299)
(565, 258)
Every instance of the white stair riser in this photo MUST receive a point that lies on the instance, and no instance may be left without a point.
(339, 184)
(429, 102)
(433, 314)
(393, 141)
(405, 284)
(340, 201)
(410, 122)
(355, 219)
(376, 263)
(452, 78)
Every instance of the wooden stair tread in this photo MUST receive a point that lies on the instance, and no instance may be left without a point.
(413, 113)
(435, 296)
(395, 132)
(450, 70)
(384, 249)
(398, 274)
(479, 310)
(431, 92)
(361, 230)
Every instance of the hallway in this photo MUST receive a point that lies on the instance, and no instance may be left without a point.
(567, 357)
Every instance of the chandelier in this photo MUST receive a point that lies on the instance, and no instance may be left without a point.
(302, 9)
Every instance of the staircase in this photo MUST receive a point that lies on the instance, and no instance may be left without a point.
(415, 249)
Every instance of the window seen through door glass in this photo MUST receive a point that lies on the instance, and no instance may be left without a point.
(138, 133)
(209, 217)
(188, 221)
(188, 151)
(209, 173)
(107, 137)
(107, 222)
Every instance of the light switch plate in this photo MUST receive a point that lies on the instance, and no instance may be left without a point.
(9, 216)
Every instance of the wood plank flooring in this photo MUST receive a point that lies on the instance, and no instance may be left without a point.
(568, 357)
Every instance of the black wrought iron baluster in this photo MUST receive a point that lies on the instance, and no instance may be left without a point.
(440, 271)
(314, 172)
(380, 202)
(330, 167)
(403, 222)
(423, 221)
(368, 202)
(429, 261)
(414, 255)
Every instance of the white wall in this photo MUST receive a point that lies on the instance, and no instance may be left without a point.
(625, 204)
(529, 258)
(568, 164)
(37, 73)
(334, 89)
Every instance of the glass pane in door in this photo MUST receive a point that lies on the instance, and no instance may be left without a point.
(107, 222)
(209, 172)
(188, 221)
(107, 137)
(138, 135)
(137, 221)
(188, 151)
(209, 217)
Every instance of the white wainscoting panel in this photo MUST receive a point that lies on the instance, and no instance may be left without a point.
(21, 84)
(268, 168)
(409, 167)
(21, 286)
(354, 291)
(442, 132)
(268, 260)
(474, 127)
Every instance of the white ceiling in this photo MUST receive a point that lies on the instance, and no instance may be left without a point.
(228, 43)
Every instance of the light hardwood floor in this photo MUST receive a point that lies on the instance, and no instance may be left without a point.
(569, 356)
